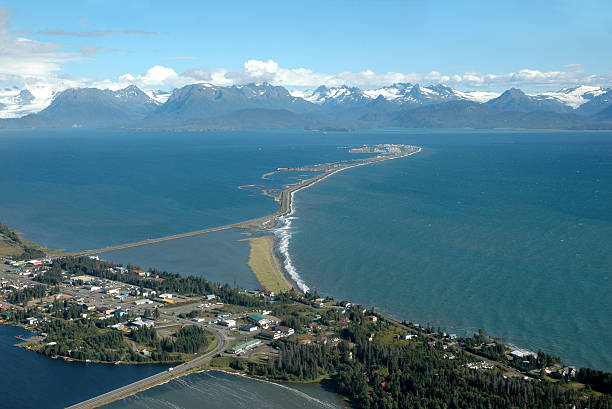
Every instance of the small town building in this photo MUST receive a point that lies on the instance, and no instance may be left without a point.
(249, 328)
(270, 334)
(244, 346)
(83, 278)
(285, 331)
(258, 319)
(142, 322)
(228, 323)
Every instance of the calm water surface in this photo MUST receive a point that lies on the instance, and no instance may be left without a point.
(84, 189)
(219, 257)
(30, 380)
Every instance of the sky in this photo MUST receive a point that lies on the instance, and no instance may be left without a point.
(469, 45)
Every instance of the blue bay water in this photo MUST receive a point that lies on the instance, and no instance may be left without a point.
(30, 380)
(83, 189)
(506, 231)
(220, 257)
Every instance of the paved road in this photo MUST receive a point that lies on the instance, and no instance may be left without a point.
(151, 381)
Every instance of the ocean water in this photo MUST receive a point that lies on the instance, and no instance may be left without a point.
(30, 380)
(219, 390)
(86, 189)
(506, 231)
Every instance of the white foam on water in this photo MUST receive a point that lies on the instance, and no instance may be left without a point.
(284, 233)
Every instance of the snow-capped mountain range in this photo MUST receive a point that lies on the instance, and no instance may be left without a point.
(15, 103)
(207, 106)
(415, 94)
(401, 94)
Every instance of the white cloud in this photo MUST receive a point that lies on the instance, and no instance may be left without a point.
(158, 76)
(23, 57)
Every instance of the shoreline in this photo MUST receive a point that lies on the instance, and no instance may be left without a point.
(286, 263)
(292, 189)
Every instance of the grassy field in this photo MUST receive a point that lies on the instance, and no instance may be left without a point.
(9, 248)
(264, 265)
(13, 245)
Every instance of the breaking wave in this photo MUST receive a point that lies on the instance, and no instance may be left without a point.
(283, 235)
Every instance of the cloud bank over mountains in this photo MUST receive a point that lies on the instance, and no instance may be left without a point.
(270, 71)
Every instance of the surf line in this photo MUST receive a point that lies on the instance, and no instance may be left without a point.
(283, 233)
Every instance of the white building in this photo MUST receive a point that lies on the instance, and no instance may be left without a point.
(142, 322)
(228, 323)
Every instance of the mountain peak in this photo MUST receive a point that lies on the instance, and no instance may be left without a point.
(24, 97)
(514, 93)
(515, 99)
